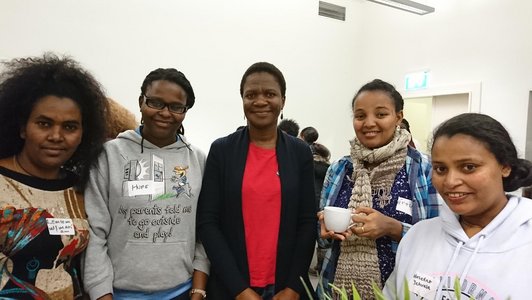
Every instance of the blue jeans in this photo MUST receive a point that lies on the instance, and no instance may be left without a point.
(266, 292)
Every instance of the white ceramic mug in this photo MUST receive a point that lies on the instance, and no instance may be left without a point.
(336, 219)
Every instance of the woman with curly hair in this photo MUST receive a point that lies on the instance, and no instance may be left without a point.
(52, 127)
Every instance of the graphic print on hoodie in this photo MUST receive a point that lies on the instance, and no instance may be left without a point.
(494, 264)
(144, 177)
(147, 178)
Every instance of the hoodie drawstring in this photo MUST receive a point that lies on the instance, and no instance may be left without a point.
(439, 291)
(187, 145)
(471, 258)
(453, 259)
(178, 137)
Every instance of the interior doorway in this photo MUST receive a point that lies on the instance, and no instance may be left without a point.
(424, 114)
(528, 146)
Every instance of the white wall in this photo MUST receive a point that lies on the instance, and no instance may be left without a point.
(324, 61)
(464, 41)
(212, 42)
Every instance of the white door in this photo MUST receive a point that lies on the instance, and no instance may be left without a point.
(426, 113)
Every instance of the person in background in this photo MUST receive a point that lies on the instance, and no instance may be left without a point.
(483, 237)
(289, 126)
(405, 125)
(52, 113)
(309, 135)
(142, 201)
(321, 156)
(256, 214)
(119, 119)
(386, 184)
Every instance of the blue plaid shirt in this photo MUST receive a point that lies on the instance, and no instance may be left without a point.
(425, 205)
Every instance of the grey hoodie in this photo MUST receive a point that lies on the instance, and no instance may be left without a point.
(141, 202)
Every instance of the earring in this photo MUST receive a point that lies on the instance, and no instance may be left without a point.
(141, 120)
(281, 114)
(32, 266)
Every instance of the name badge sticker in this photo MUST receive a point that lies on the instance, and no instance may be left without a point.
(140, 187)
(423, 285)
(404, 205)
(57, 226)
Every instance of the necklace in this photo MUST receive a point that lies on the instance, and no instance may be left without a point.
(19, 168)
(467, 224)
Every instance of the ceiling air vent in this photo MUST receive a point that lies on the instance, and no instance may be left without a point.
(332, 11)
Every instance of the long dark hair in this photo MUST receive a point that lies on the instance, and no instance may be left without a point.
(496, 139)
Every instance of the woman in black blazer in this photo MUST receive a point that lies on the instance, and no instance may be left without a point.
(257, 213)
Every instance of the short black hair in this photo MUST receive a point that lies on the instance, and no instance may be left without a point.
(174, 76)
(383, 86)
(496, 139)
(405, 124)
(320, 150)
(26, 80)
(289, 126)
(309, 134)
(264, 67)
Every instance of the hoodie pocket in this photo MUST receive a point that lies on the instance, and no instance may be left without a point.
(153, 266)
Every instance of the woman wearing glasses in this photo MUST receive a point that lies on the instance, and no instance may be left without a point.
(142, 201)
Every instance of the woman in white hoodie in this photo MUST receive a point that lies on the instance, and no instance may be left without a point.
(483, 237)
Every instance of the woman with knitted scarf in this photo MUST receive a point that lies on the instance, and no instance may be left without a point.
(386, 183)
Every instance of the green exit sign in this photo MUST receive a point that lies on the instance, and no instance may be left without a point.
(417, 80)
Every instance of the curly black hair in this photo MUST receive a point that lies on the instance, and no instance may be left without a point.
(27, 80)
(171, 75)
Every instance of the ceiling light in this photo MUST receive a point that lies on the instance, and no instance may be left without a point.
(407, 5)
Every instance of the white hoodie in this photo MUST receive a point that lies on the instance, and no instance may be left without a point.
(496, 263)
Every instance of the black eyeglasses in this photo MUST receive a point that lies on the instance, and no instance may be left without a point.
(160, 105)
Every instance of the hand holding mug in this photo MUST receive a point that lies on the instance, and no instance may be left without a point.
(373, 224)
(335, 223)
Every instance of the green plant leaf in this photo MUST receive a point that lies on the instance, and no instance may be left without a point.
(377, 291)
(457, 288)
(304, 283)
(406, 295)
(342, 292)
(320, 283)
(356, 295)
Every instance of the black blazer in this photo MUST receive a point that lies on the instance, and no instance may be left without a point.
(221, 225)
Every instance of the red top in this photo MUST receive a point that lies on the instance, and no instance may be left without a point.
(261, 209)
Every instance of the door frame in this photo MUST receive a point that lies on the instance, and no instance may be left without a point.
(473, 90)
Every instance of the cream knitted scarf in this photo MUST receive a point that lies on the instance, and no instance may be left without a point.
(358, 262)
